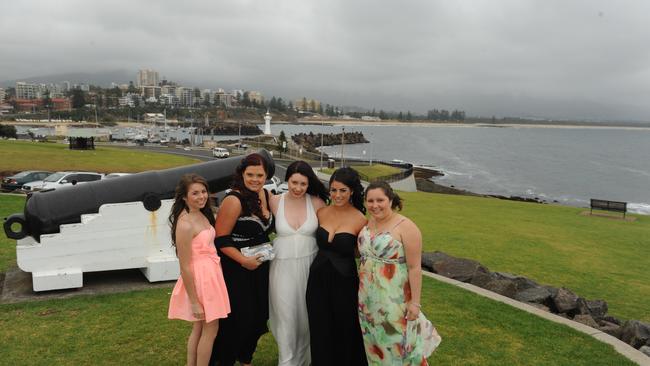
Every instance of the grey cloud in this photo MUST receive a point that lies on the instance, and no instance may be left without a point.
(578, 59)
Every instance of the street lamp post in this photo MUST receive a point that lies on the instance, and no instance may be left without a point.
(342, 144)
(322, 131)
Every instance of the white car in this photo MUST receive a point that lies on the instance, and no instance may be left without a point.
(220, 152)
(272, 184)
(61, 179)
(283, 187)
(115, 175)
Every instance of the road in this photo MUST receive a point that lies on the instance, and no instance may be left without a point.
(206, 155)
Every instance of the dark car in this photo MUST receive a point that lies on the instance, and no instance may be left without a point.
(16, 181)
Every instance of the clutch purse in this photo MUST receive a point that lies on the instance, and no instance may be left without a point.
(266, 250)
(422, 330)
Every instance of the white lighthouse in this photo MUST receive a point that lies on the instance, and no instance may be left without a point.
(267, 123)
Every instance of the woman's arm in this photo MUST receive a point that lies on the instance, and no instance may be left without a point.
(412, 241)
(274, 201)
(226, 219)
(184, 234)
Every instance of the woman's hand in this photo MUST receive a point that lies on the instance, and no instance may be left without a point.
(197, 311)
(412, 310)
(251, 263)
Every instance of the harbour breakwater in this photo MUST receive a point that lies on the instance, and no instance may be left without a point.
(310, 141)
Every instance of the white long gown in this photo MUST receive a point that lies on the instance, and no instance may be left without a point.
(294, 252)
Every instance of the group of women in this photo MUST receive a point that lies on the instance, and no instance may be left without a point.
(321, 307)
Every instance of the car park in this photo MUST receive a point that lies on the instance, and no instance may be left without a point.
(61, 179)
(220, 152)
(16, 181)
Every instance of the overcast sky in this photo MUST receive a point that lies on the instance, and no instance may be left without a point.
(547, 58)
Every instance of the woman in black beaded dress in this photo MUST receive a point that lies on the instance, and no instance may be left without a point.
(332, 300)
(244, 219)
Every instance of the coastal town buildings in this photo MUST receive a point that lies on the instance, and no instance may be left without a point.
(3, 95)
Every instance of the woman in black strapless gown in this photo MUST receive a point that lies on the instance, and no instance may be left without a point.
(333, 280)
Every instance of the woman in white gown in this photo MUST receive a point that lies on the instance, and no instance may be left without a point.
(295, 249)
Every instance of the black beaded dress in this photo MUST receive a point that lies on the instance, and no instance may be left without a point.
(332, 302)
(248, 292)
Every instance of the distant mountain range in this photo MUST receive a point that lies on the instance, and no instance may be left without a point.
(102, 78)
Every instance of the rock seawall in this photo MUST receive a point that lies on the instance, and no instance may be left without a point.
(561, 301)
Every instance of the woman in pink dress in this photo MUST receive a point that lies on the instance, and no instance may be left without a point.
(200, 295)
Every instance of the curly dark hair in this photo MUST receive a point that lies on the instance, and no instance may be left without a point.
(179, 203)
(250, 201)
(315, 186)
(388, 191)
(350, 178)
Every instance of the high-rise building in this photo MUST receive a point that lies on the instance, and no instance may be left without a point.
(185, 96)
(3, 95)
(27, 90)
(147, 77)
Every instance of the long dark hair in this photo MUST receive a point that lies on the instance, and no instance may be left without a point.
(315, 187)
(388, 191)
(180, 205)
(250, 200)
(350, 178)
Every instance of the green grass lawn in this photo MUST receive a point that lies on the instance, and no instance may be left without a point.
(597, 257)
(132, 329)
(22, 155)
(369, 172)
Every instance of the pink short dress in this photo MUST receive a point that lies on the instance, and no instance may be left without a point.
(208, 281)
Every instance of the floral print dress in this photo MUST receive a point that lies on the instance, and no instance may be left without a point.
(384, 290)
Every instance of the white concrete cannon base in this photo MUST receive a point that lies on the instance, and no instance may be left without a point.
(120, 236)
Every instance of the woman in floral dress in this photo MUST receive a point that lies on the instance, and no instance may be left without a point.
(390, 279)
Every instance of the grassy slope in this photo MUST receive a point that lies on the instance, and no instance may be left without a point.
(20, 155)
(594, 256)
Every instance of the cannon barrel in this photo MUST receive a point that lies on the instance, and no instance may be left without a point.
(45, 211)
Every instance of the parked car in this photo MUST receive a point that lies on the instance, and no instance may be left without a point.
(220, 152)
(115, 175)
(60, 179)
(18, 180)
(272, 184)
(283, 187)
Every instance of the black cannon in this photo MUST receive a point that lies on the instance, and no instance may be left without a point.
(46, 210)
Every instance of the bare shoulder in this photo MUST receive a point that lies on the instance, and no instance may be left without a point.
(360, 219)
(323, 212)
(408, 231)
(184, 224)
(317, 202)
(230, 201)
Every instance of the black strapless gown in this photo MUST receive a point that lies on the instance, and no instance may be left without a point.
(332, 302)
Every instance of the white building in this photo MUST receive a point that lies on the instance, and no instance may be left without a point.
(27, 90)
(223, 98)
(154, 118)
(147, 77)
(185, 96)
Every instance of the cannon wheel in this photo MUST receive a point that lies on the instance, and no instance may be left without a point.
(15, 219)
(151, 202)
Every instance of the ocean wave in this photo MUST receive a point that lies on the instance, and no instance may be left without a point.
(639, 208)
